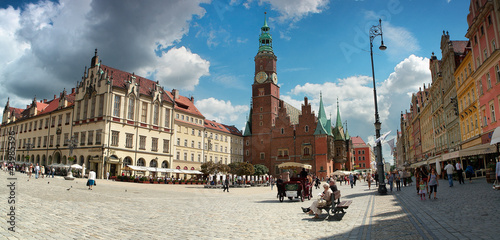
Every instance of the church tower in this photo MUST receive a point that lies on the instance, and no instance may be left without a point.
(265, 100)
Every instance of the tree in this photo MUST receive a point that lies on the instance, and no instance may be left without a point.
(222, 168)
(245, 169)
(260, 169)
(234, 166)
(208, 168)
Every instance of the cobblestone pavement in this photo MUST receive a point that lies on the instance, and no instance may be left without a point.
(46, 209)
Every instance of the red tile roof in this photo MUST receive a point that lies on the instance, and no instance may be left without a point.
(357, 141)
(222, 128)
(120, 78)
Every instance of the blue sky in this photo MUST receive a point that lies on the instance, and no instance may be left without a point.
(206, 49)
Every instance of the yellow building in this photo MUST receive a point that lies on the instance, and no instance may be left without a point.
(468, 103)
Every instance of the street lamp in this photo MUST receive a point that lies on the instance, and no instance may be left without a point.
(28, 147)
(72, 144)
(375, 31)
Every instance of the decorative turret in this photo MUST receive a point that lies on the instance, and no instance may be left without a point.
(265, 38)
(338, 132)
(323, 126)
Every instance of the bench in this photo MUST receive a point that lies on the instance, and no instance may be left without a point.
(337, 206)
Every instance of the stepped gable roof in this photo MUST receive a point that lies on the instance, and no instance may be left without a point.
(18, 112)
(292, 112)
(222, 127)
(146, 86)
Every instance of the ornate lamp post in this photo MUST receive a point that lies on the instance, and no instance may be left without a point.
(28, 147)
(375, 31)
(72, 144)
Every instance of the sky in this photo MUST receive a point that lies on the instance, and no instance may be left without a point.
(206, 49)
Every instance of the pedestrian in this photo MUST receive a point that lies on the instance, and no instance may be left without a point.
(497, 170)
(390, 179)
(107, 175)
(460, 171)
(91, 181)
(42, 171)
(424, 175)
(355, 177)
(30, 170)
(376, 178)
(422, 190)
(468, 172)
(449, 171)
(53, 172)
(351, 180)
(417, 180)
(272, 183)
(398, 182)
(318, 183)
(369, 180)
(226, 185)
(433, 183)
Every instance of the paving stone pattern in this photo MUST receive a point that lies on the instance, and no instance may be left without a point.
(46, 209)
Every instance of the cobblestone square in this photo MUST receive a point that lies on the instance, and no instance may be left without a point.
(53, 208)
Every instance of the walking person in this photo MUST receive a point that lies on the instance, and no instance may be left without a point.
(272, 183)
(42, 171)
(468, 172)
(390, 179)
(37, 171)
(226, 185)
(107, 175)
(369, 180)
(433, 183)
(460, 171)
(53, 172)
(422, 191)
(449, 171)
(497, 170)
(91, 181)
(398, 182)
(417, 180)
(30, 170)
(424, 174)
(351, 180)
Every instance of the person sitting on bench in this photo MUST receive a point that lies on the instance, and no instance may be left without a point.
(333, 186)
(325, 199)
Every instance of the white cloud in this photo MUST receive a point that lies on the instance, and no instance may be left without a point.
(179, 68)
(223, 111)
(399, 41)
(53, 42)
(295, 10)
(410, 74)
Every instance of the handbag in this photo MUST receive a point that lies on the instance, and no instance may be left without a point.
(321, 202)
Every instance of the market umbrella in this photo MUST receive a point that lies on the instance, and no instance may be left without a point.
(294, 165)
(339, 173)
(76, 166)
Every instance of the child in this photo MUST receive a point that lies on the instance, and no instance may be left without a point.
(422, 191)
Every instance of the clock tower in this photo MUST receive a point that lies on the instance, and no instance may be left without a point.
(265, 101)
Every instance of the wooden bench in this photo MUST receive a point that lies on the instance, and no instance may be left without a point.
(337, 206)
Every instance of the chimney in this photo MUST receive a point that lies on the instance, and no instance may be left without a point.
(44, 100)
(73, 90)
(192, 98)
(55, 96)
(175, 92)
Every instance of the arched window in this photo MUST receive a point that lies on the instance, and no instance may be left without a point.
(306, 151)
(282, 131)
(131, 102)
(153, 163)
(306, 128)
(127, 161)
(164, 164)
(141, 162)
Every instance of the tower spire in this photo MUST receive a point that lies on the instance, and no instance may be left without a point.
(265, 38)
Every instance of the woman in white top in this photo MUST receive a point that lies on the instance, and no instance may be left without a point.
(91, 181)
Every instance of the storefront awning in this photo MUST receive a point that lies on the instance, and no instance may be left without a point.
(418, 164)
(478, 150)
(163, 170)
(495, 138)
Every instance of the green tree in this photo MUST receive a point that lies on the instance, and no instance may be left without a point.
(260, 169)
(234, 167)
(245, 169)
(208, 168)
(222, 168)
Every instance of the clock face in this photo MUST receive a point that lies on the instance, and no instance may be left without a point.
(261, 77)
(274, 77)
